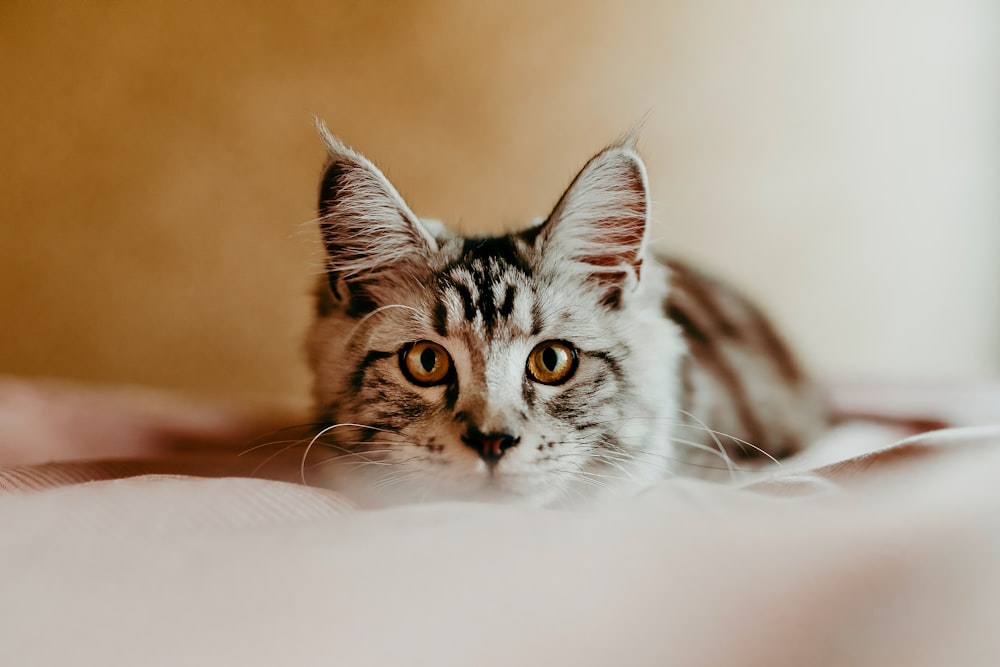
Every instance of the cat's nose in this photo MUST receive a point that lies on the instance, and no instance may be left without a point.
(490, 446)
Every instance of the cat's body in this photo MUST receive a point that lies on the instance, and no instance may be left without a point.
(551, 364)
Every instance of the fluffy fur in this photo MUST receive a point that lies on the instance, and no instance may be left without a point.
(664, 356)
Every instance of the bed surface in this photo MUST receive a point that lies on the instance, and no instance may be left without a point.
(155, 545)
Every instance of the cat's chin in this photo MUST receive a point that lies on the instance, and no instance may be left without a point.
(533, 491)
(512, 490)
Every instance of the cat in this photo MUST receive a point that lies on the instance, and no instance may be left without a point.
(560, 363)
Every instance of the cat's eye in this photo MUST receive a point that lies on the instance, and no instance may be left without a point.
(425, 363)
(552, 362)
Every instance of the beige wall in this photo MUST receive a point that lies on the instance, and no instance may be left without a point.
(840, 159)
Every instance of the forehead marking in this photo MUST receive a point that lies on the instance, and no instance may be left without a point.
(486, 285)
(468, 303)
(508, 301)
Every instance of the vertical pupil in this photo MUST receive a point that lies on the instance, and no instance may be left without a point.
(550, 358)
(428, 359)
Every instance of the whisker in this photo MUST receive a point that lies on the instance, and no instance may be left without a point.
(270, 458)
(720, 450)
(271, 444)
(595, 475)
(578, 476)
(394, 480)
(305, 454)
(739, 440)
(366, 461)
(718, 453)
(267, 434)
(659, 459)
(596, 455)
(361, 455)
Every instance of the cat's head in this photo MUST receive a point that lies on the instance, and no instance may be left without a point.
(534, 366)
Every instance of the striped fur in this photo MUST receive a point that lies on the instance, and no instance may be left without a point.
(660, 351)
(738, 375)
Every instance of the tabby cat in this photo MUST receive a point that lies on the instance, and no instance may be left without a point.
(557, 363)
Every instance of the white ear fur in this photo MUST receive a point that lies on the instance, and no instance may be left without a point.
(600, 222)
(366, 225)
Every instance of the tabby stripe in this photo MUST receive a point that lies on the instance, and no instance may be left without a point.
(451, 394)
(612, 299)
(468, 304)
(500, 249)
(508, 302)
(357, 379)
(754, 328)
(689, 328)
(536, 318)
(707, 351)
(775, 348)
(487, 304)
(711, 359)
(360, 302)
(403, 408)
(699, 289)
(565, 410)
(613, 364)
(440, 318)
(325, 303)
(528, 389)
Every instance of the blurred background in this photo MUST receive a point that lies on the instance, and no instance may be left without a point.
(840, 160)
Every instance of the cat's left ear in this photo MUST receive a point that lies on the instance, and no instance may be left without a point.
(599, 224)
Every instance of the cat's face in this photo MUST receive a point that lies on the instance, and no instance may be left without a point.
(531, 367)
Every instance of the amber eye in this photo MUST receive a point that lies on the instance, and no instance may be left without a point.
(425, 363)
(552, 362)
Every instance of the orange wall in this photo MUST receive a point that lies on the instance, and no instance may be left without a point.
(159, 164)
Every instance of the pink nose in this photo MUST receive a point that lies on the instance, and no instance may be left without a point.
(490, 446)
(493, 446)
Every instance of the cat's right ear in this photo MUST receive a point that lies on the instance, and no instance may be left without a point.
(369, 232)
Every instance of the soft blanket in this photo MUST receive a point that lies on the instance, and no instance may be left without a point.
(891, 556)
